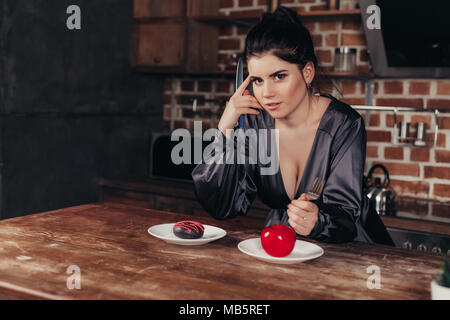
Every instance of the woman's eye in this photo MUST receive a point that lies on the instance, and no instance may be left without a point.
(280, 76)
(257, 81)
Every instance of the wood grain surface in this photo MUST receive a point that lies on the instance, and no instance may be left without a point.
(118, 259)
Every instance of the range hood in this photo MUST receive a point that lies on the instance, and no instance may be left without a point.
(414, 38)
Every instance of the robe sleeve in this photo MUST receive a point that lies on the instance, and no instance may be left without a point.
(341, 202)
(225, 190)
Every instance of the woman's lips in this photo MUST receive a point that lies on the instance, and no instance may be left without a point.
(273, 106)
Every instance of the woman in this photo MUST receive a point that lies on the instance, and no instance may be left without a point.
(318, 136)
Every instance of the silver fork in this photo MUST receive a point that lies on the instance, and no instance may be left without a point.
(316, 189)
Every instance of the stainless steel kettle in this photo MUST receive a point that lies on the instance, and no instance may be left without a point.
(381, 195)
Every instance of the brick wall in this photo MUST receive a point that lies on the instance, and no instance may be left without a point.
(422, 173)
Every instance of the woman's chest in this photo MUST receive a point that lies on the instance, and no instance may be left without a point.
(293, 157)
(299, 162)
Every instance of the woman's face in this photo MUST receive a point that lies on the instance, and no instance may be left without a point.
(277, 84)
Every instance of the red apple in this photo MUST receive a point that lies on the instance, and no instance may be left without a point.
(278, 240)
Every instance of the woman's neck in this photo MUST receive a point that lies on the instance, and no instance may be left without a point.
(303, 116)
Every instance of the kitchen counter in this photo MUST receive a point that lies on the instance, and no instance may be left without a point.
(118, 259)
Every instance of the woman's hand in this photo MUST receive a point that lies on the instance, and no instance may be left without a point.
(303, 215)
(240, 103)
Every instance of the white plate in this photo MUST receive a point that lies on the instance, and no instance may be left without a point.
(302, 251)
(165, 232)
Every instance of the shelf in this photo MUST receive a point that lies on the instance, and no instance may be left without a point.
(251, 18)
(328, 14)
(400, 109)
(349, 75)
(232, 73)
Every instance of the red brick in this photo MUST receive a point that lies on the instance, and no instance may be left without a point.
(374, 119)
(187, 85)
(226, 4)
(353, 40)
(437, 172)
(399, 102)
(443, 87)
(440, 210)
(440, 141)
(390, 120)
(444, 122)
(442, 156)
(411, 187)
(318, 7)
(402, 169)
(311, 26)
(438, 103)
(223, 86)
(348, 87)
(204, 86)
(331, 40)
(166, 125)
(393, 87)
(420, 154)
(372, 151)
(241, 30)
(378, 136)
(414, 206)
(226, 30)
(354, 101)
(363, 69)
(168, 86)
(393, 153)
(323, 56)
(327, 26)
(245, 3)
(180, 124)
(442, 190)
(419, 88)
(351, 25)
(317, 40)
(420, 118)
(167, 113)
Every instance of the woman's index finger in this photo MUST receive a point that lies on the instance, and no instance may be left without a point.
(243, 86)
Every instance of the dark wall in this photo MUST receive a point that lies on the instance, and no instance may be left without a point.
(71, 109)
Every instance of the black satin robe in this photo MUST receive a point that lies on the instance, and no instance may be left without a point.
(337, 155)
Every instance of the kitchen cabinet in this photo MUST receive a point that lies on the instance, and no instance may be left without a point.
(168, 39)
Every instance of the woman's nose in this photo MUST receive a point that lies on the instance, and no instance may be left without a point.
(268, 90)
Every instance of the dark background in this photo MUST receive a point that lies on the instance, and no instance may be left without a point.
(71, 109)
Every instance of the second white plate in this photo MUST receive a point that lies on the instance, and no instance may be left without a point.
(302, 251)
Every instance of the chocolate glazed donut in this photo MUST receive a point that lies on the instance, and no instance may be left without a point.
(188, 229)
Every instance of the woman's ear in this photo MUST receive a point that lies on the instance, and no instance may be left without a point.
(308, 72)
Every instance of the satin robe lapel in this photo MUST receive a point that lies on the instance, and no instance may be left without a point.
(313, 167)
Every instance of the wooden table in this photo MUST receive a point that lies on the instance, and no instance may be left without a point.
(118, 259)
